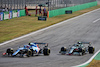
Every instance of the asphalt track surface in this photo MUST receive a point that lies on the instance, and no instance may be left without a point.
(82, 28)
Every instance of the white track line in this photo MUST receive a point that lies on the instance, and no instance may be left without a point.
(88, 60)
(47, 27)
(96, 20)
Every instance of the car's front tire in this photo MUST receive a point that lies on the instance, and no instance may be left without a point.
(10, 51)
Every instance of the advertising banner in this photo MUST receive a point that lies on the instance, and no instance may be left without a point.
(68, 12)
(10, 14)
(22, 13)
(6, 15)
(14, 13)
(42, 18)
(1, 16)
(18, 13)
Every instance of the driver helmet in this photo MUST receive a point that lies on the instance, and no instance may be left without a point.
(30, 43)
(79, 42)
(26, 46)
(77, 45)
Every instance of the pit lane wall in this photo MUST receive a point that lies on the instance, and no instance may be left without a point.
(61, 11)
(11, 14)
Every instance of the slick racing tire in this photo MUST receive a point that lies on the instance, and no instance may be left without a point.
(63, 49)
(22, 52)
(29, 53)
(32, 52)
(80, 54)
(10, 51)
(91, 50)
(46, 51)
(83, 52)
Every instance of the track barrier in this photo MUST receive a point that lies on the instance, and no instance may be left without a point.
(11, 14)
(61, 11)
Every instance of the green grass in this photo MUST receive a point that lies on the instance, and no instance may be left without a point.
(94, 63)
(16, 27)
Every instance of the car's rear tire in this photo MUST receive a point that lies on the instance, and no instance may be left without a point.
(46, 51)
(91, 50)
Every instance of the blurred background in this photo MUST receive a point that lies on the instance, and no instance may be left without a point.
(31, 4)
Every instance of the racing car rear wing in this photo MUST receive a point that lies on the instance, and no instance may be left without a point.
(85, 42)
(39, 43)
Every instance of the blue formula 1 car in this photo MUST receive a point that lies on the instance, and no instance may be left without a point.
(31, 49)
(80, 48)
